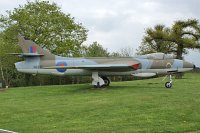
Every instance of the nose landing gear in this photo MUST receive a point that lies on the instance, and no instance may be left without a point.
(169, 83)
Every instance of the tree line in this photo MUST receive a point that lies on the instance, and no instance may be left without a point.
(45, 23)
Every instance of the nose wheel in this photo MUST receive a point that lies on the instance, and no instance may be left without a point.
(168, 84)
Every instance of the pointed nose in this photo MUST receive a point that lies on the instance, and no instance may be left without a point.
(194, 66)
(188, 65)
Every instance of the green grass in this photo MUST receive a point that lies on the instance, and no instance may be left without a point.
(133, 106)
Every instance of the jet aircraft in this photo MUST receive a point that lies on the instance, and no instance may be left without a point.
(40, 61)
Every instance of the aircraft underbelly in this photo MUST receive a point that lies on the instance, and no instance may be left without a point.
(83, 72)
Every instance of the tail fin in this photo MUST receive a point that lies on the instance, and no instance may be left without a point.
(31, 49)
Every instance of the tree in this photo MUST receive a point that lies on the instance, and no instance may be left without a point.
(115, 54)
(123, 52)
(126, 52)
(7, 71)
(45, 24)
(183, 35)
(152, 43)
(96, 50)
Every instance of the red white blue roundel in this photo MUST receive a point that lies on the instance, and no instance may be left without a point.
(61, 63)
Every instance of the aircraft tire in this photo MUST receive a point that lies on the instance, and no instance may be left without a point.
(106, 81)
(168, 85)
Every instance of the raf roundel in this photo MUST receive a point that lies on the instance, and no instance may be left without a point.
(61, 64)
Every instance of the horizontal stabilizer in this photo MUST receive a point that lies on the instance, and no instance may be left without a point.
(26, 54)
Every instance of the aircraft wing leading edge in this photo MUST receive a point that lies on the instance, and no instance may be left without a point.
(101, 67)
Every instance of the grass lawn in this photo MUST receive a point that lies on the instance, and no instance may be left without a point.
(133, 106)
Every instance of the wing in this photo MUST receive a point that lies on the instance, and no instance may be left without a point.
(26, 54)
(100, 67)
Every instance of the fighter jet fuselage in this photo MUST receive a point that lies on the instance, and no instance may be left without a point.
(37, 66)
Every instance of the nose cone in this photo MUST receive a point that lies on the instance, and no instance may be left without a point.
(194, 67)
(188, 65)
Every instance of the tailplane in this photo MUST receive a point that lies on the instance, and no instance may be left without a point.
(31, 49)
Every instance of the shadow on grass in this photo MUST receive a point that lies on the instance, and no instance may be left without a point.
(133, 86)
(90, 88)
(2, 90)
(153, 83)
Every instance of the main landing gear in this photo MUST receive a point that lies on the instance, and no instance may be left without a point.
(106, 81)
(99, 82)
(169, 83)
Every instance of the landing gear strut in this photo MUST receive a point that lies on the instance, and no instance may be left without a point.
(169, 83)
(98, 82)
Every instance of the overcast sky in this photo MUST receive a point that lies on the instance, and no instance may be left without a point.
(121, 23)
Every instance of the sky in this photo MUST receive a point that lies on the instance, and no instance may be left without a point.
(117, 24)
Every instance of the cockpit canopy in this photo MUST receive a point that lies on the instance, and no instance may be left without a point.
(158, 56)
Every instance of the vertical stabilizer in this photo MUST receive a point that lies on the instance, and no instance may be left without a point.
(30, 47)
